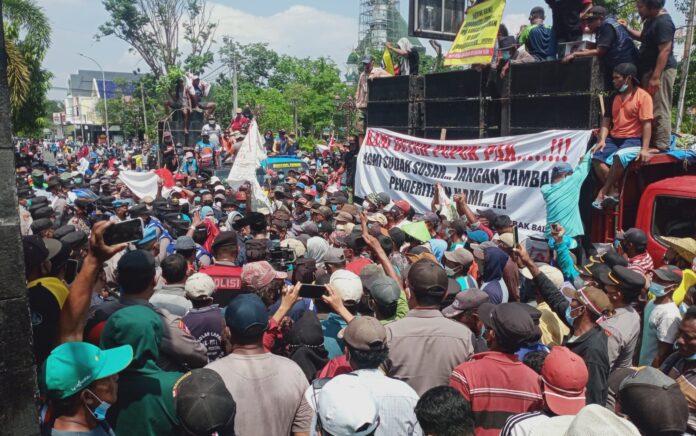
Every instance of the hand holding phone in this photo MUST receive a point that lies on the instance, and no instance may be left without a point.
(312, 291)
(125, 231)
(515, 237)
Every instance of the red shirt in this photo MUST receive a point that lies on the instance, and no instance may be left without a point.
(237, 122)
(336, 366)
(228, 281)
(498, 386)
(642, 263)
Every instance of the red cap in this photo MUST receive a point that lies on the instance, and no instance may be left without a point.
(310, 191)
(240, 196)
(403, 205)
(564, 377)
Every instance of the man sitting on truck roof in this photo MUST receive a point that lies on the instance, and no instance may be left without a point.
(624, 135)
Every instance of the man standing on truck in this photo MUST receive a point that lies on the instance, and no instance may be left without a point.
(614, 44)
(657, 65)
(624, 134)
(370, 72)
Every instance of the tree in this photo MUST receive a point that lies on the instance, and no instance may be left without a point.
(151, 27)
(27, 38)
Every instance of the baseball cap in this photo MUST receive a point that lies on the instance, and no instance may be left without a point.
(184, 243)
(247, 316)
(432, 218)
(564, 377)
(383, 289)
(469, 299)
(149, 235)
(594, 299)
(256, 275)
(343, 216)
(595, 12)
(367, 59)
(489, 214)
(427, 277)
(537, 10)
(592, 419)
(365, 333)
(199, 285)
(653, 401)
(403, 205)
(512, 324)
(346, 407)
(347, 284)
(334, 256)
(295, 245)
(377, 218)
(35, 251)
(461, 256)
(551, 273)
(633, 235)
(73, 366)
(561, 168)
(612, 258)
(379, 199)
(203, 404)
(669, 273)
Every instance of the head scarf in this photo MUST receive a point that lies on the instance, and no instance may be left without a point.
(306, 344)
(316, 249)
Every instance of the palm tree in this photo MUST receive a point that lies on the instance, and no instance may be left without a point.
(27, 37)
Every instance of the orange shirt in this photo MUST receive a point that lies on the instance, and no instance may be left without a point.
(628, 114)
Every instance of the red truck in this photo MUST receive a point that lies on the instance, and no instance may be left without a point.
(659, 198)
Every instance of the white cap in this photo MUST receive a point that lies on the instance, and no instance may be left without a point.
(219, 188)
(214, 179)
(199, 285)
(347, 284)
(592, 420)
(347, 408)
(552, 273)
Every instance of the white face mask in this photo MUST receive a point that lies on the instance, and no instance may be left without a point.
(183, 201)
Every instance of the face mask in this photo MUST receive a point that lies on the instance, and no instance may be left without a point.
(218, 204)
(274, 236)
(208, 203)
(506, 55)
(196, 200)
(99, 412)
(334, 208)
(692, 357)
(451, 272)
(366, 255)
(308, 215)
(183, 201)
(569, 317)
(683, 308)
(189, 160)
(242, 207)
(657, 289)
(623, 87)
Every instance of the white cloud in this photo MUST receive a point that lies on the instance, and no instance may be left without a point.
(514, 21)
(300, 31)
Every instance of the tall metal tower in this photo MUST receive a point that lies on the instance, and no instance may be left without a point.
(379, 23)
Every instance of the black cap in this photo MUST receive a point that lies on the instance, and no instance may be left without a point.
(82, 202)
(42, 212)
(398, 236)
(41, 224)
(53, 182)
(537, 10)
(203, 404)
(225, 239)
(512, 324)
(35, 251)
(669, 273)
(138, 210)
(595, 12)
(626, 279)
(247, 316)
(633, 235)
(507, 42)
(612, 259)
(63, 231)
(425, 277)
(489, 214)
(75, 239)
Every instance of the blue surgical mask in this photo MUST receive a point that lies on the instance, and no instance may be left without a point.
(692, 357)
(683, 307)
(569, 318)
(242, 207)
(623, 87)
(506, 55)
(450, 272)
(334, 208)
(99, 412)
(657, 289)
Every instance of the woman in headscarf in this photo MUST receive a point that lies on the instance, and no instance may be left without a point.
(492, 283)
(305, 345)
(316, 249)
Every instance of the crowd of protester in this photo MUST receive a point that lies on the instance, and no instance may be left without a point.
(325, 313)
(422, 325)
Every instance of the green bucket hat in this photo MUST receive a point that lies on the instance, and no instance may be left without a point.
(73, 366)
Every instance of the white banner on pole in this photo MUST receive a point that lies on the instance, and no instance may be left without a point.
(503, 174)
(246, 161)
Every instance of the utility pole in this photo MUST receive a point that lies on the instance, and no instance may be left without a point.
(106, 110)
(686, 59)
(18, 413)
(142, 97)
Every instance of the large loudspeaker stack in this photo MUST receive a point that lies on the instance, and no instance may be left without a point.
(552, 95)
(471, 104)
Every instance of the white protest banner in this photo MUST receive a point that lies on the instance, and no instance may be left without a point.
(503, 174)
(247, 160)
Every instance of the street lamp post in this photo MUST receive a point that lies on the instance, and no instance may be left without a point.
(106, 111)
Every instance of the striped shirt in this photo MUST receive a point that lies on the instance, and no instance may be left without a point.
(642, 263)
(523, 424)
(498, 386)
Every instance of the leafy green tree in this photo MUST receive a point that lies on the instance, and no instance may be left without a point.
(27, 38)
(151, 28)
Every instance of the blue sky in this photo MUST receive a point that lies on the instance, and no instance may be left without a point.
(300, 28)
